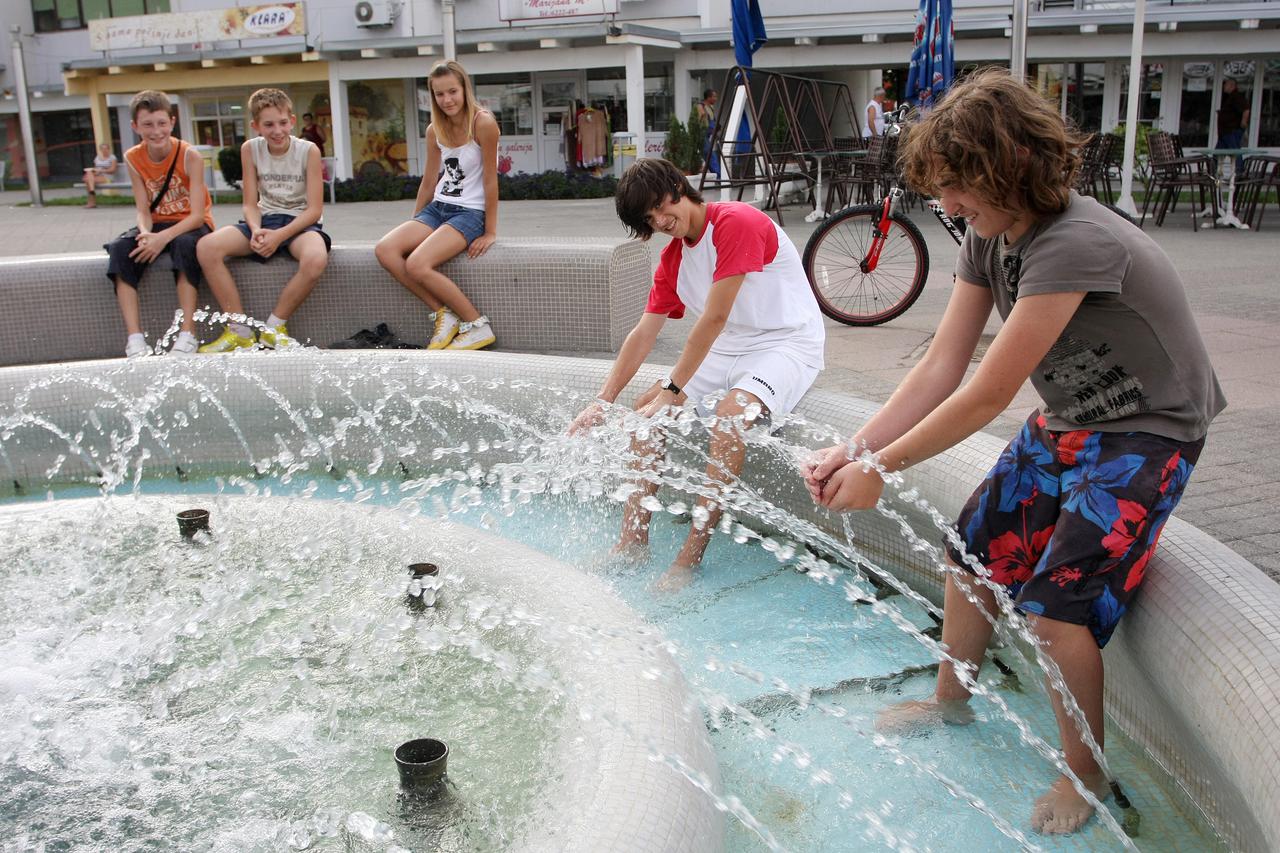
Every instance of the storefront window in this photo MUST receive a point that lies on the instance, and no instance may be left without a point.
(1242, 71)
(509, 97)
(607, 91)
(1085, 82)
(1269, 120)
(220, 120)
(1048, 80)
(1197, 103)
(52, 15)
(1149, 93)
(658, 99)
(376, 112)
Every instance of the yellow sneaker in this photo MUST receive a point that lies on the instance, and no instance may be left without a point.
(226, 342)
(445, 328)
(474, 335)
(277, 338)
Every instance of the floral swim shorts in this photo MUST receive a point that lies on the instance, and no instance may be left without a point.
(1067, 521)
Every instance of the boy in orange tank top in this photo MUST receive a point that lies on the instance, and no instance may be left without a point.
(174, 212)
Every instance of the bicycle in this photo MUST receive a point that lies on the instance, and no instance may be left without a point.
(868, 263)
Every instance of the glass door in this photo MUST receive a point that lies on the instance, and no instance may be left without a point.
(558, 98)
(1197, 103)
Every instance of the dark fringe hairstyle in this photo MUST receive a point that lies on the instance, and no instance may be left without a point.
(151, 101)
(647, 184)
(999, 139)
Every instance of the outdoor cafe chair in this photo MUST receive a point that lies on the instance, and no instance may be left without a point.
(1260, 182)
(1171, 174)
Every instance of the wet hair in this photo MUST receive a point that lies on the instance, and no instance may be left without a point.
(997, 138)
(264, 98)
(647, 184)
(151, 101)
(439, 120)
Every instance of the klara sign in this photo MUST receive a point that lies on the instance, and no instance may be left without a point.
(243, 22)
(550, 10)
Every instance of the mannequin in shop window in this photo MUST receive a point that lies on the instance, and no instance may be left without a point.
(593, 135)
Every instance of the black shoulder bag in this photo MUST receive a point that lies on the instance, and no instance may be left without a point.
(133, 232)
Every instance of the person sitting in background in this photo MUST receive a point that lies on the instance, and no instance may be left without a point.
(283, 207)
(104, 167)
(174, 211)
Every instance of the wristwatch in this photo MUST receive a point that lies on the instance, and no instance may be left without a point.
(666, 384)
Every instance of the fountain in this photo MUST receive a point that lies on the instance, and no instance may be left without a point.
(789, 641)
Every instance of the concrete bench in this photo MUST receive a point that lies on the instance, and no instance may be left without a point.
(541, 295)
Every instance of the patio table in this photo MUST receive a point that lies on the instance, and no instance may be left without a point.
(1227, 171)
(818, 210)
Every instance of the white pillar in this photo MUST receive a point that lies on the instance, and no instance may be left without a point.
(680, 83)
(634, 54)
(340, 134)
(449, 30)
(1018, 46)
(24, 118)
(1125, 201)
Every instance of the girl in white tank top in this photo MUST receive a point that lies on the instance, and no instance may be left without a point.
(456, 210)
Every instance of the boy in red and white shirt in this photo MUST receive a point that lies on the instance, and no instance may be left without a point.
(757, 340)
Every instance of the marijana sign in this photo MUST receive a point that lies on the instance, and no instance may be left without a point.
(541, 10)
(243, 22)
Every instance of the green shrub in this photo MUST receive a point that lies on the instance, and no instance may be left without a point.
(1140, 149)
(518, 187)
(229, 164)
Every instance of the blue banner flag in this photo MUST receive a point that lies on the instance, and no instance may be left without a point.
(748, 37)
(933, 56)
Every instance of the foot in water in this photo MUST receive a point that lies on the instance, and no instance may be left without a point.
(676, 578)
(919, 715)
(1063, 810)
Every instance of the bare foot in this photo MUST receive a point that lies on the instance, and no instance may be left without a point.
(1063, 810)
(629, 551)
(915, 715)
(676, 579)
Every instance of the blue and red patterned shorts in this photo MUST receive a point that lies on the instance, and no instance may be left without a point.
(1068, 521)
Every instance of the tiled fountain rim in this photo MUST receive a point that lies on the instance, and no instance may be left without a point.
(1193, 673)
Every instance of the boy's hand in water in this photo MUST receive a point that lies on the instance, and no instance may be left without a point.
(591, 416)
(852, 487)
(819, 467)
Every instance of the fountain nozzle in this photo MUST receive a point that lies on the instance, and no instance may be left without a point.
(421, 763)
(193, 521)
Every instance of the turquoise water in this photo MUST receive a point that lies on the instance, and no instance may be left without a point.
(791, 674)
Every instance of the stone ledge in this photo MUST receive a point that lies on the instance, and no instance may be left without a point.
(540, 295)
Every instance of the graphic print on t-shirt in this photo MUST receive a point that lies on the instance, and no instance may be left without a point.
(177, 199)
(453, 177)
(1100, 392)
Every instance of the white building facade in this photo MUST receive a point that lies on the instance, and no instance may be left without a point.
(359, 66)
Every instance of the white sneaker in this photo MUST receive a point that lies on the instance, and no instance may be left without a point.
(477, 334)
(136, 347)
(186, 344)
(446, 326)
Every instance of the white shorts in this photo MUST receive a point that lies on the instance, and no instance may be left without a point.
(777, 377)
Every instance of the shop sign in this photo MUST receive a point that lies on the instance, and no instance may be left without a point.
(544, 10)
(517, 155)
(210, 25)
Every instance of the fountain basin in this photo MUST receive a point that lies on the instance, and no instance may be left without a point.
(1192, 671)
(245, 690)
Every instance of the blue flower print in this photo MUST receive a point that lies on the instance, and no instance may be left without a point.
(1086, 487)
(1027, 471)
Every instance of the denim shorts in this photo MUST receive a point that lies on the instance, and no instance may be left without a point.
(1068, 521)
(467, 221)
(276, 221)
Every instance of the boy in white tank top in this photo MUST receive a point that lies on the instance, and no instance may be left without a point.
(283, 207)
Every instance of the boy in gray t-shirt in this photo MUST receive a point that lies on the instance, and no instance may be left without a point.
(1096, 317)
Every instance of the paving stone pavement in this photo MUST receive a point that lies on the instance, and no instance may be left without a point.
(1230, 275)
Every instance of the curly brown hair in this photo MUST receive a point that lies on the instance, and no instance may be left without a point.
(264, 98)
(648, 184)
(998, 139)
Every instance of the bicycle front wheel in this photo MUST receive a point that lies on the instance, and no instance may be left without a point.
(837, 260)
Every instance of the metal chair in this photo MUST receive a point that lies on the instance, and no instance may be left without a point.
(1171, 174)
(1261, 179)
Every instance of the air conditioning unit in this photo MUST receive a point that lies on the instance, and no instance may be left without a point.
(374, 13)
